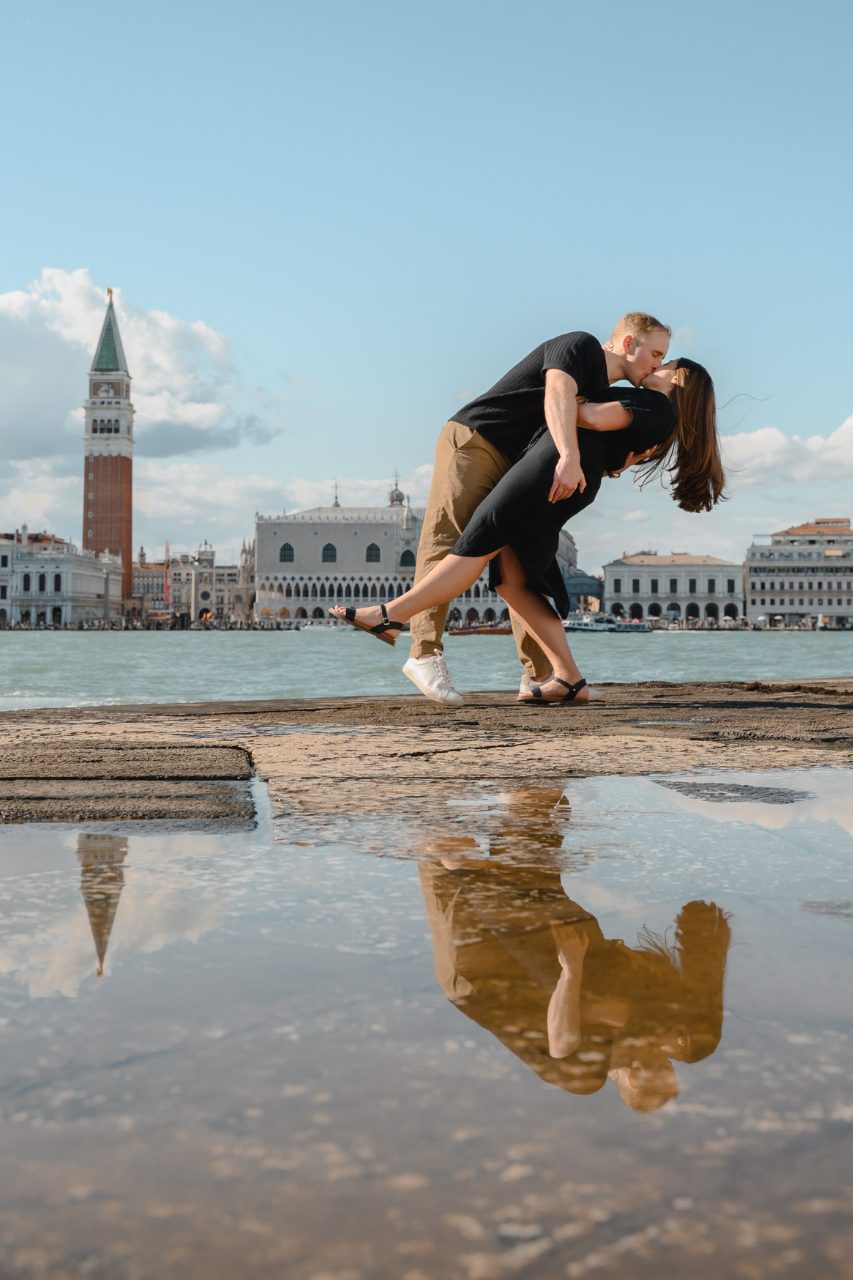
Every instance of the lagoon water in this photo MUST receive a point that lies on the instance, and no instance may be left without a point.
(94, 668)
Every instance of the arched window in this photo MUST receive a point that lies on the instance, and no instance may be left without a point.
(285, 555)
(27, 582)
(323, 591)
(57, 582)
(348, 592)
(373, 591)
(313, 590)
(330, 553)
(407, 560)
(42, 582)
(356, 591)
(373, 555)
(288, 592)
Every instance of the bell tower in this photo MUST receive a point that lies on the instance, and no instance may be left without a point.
(108, 461)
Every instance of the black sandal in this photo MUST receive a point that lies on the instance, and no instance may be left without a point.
(537, 700)
(380, 630)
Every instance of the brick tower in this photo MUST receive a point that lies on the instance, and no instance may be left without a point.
(108, 462)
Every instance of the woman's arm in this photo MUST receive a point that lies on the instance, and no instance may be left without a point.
(612, 416)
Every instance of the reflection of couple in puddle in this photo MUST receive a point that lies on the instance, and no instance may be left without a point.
(516, 955)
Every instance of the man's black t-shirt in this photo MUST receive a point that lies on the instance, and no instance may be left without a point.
(511, 412)
(652, 423)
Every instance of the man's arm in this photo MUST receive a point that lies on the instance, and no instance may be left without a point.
(564, 1008)
(561, 417)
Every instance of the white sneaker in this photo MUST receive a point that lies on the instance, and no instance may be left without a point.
(433, 679)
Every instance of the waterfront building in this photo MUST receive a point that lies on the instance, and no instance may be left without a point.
(307, 560)
(48, 582)
(108, 460)
(198, 585)
(678, 586)
(802, 575)
(150, 586)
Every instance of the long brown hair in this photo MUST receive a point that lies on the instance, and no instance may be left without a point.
(696, 471)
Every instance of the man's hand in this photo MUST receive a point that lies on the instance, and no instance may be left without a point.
(568, 477)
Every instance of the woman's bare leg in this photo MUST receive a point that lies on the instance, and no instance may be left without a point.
(542, 623)
(449, 578)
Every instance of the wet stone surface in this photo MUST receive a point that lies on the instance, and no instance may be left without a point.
(731, 792)
(600, 1027)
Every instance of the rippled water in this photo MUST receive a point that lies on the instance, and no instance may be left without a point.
(91, 668)
(605, 1032)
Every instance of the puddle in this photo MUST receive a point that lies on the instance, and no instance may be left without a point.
(602, 1031)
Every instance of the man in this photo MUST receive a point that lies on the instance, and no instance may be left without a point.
(482, 441)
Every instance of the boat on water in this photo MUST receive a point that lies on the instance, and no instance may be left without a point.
(483, 629)
(597, 622)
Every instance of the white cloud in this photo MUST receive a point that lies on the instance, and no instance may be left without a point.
(635, 517)
(302, 494)
(184, 391)
(768, 456)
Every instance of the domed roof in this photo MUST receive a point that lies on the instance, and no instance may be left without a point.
(396, 497)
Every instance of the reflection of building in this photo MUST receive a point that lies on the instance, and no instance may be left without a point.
(108, 462)
(648, 585)
(47, 582)
(101, 882)
(803, 574)
(197, 584)
(308, 560)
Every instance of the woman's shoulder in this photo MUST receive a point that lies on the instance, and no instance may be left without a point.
(640, 396)
(647, 407)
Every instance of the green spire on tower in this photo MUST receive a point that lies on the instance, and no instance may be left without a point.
(109, 354)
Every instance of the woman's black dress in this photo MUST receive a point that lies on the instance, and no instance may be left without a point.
(517, 512)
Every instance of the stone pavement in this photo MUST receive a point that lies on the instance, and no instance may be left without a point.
(332, 756)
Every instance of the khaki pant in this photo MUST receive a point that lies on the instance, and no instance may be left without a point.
(467, 467)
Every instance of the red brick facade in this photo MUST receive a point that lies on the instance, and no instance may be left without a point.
(108, 511)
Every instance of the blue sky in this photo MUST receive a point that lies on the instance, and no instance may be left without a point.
(332, 224)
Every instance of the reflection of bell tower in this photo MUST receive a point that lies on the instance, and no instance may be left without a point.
(108, 462)
(101, 882)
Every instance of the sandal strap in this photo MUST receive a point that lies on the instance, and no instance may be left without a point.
(573, 689)
(387, 624)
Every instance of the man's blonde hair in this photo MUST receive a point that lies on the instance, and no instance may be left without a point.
(638, 323)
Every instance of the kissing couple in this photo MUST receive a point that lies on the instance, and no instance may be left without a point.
(518, 462)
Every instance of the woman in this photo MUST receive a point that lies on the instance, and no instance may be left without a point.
(516, 528)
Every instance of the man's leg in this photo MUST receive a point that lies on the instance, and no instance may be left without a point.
(467, 468)
(532, 655)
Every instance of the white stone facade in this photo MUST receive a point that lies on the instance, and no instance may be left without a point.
(308, 560)
(803, 575)
(678, 587)
(47, 582)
